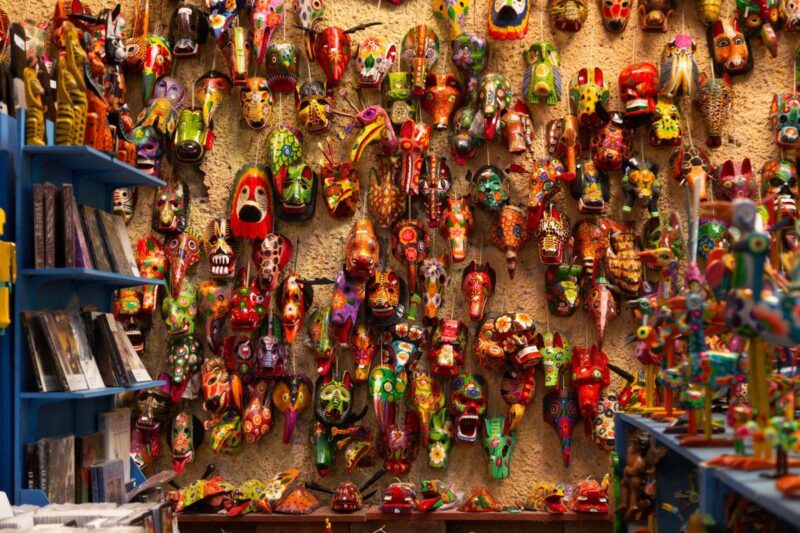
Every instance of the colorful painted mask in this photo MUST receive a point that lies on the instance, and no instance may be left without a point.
(348, 295)
(221, 390)
(239, 355)
(691, 164)
(374, 126)
(588, 94)
(494, 97)
(591, 496)
(214, 301)
(477, 286)
(469, 55)
(640, 183)
(192, 138)
(547, 497)
(309, 13)
(729, 48)
(615, 14)
(543, 185)
(182, 252)
(420, 51)
(468, 405)
(212, 89)
(638, 88)
(374, 57)
(171, 90)
(386, 292)
(561, 412)
(666, 130)
(590, 374)
(552, 235)
(591, 188)
(518, 389)
(150, 148)
(710, 236)
(568, 15)
(498, 444)
(157, 62)
(314, 106)
(481, 501)
(128, 312)
(332, 49)
(300, 501)
(284, 149)
(427, 400)
(414, 140)
(623, 265)
(611, 145)
(323, 339)
(283, 67)
(453, 13)
(362, 344)
(440, 440)
(124, 202)
(333, 400)
(256, 101)
(679, 72)
(257, 416)
(397, 92)
(248, 304)
(399, 498)
(152, 263)
(362, 250)
(206, 494)
(442, 95)
(184, 359)
(591, 243)
(297, 191)
(385, 202)
(602, 307)
(266, 16)
(449, 342)
(188, 29)
(434, 184)
(222, 13)
(517, 127)
(271, 257)
(435, 280)
(387, 389)
(291, 396)
(464, 142)
(226, 436)
(410, 243)
(405, 342)
(489, 187)
(399, 444)
(219, 248)
(458, 226)
(186, 432)
(654, 15)
(322, 442)
(779, 179)
(542, 78)
(516, 333)
(509, 232)
(556, 357)
(295, 299)
(340, 185)
(714, 100)
(251, 203)
(562, 287)
(508, 19)
(734, 181)
(270, 350)
(488, 351)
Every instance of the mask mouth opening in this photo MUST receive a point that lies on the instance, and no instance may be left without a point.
(468, 428)
(507, 16)
(250, 213)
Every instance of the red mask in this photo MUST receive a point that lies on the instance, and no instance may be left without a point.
(477, 286)
(399, 444)
(362, 343)
(362, 250)
(518, 129)
(615, 14)
(152, 262)
(251, 203)
(638, 88)
(248, 304)
(257, 418)
(442, 96)
(602, 307)
(295, 299)
(271, 257)
(611, 145)
(410, 245)
(590, 374)
(332, 51)
(434, 184)
(183, 252)
(415, 138)
(457, 227)
(449, 341)
(509, 232)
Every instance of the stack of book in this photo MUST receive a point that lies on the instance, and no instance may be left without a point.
(140, 517)
(70, 236)
(74, 351)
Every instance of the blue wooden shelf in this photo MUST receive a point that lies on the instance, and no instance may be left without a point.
(46, 397)
(86, 275)
(92, 164)
(761, 491)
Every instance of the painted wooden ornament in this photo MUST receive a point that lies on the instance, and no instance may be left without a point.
(679, 73)
(714, 100)
(654, 15)
(410, 244)
(541, 81)
(385, 202)
(457, 227)
(477, 287)
(508, 19)
(508, 233)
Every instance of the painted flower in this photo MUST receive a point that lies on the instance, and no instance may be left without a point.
(397, 438)
(437, 455)
(503, 323)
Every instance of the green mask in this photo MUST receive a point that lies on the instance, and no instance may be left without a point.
(499, 444)
(297, 189)
(440, 441)
(191, 137)
(556, 357)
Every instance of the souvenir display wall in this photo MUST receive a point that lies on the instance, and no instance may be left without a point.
(531, 217)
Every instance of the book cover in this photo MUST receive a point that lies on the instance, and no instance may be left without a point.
(83, 350)
(137, 372)
(41, 465)
(83, 256)
(66, 200)
(107, 327)
(31, 466)
(116, 428)
(60, 469)
(95, 240)
(66, 363)
(50, 229)
(127, 249)
(44, 369)
(38, 225)
(113, 244)
(108, 482)
(102, 352)
(89, 450)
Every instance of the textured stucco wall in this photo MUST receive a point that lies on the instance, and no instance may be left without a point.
(537, 456)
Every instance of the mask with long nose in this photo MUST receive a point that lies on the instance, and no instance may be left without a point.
(292, 394)
(477, 286)
(458, 226)
(420, 51)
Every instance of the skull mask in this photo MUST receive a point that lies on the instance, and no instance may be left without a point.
(449, 341)
(333, 400)
(219, 248)
(420, 52)
(374, 57)
(468, 405)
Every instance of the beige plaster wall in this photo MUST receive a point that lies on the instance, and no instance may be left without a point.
(537, 456)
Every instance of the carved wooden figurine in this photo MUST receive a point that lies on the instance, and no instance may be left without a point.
(72, 103)
(34, 119)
